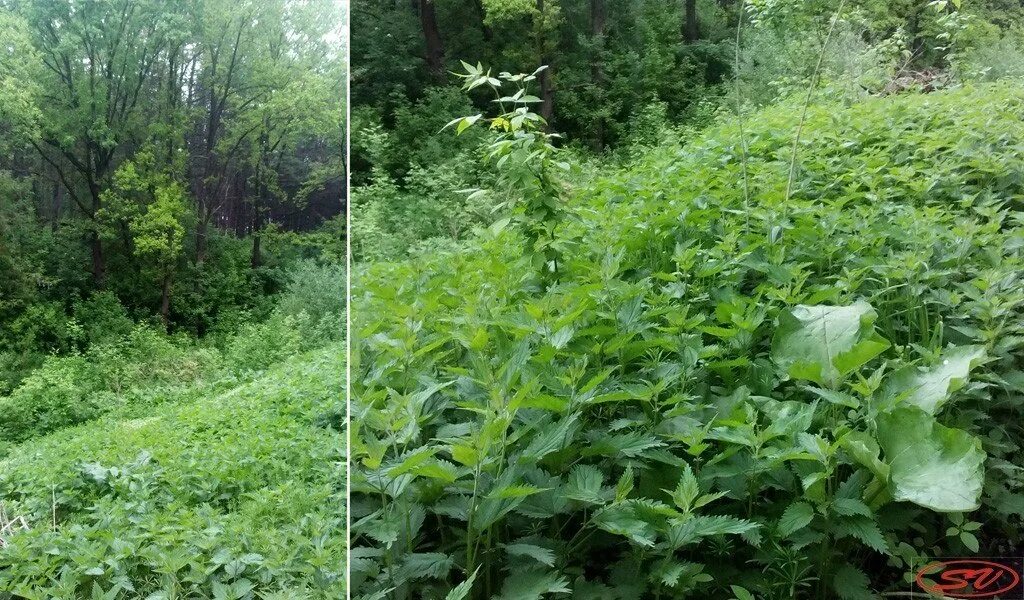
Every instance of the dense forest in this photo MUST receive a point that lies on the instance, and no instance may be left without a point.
(172, 184)
(686, 299)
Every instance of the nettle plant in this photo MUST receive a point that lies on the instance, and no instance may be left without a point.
(524, 154)
(696, 409)
(558, 471)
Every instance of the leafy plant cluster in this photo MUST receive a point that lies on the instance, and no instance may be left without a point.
(232, 496)
(803, 393)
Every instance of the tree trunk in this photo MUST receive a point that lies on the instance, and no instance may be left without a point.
(547, 92)
(165, 300)
(202, 238)
(598, 19)
(488, 34)
(432, 37)
(691, 27)
(257, 254)
(99, 269)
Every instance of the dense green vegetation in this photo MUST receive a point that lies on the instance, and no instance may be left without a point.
(199, 472)
(620, 73)
(171, 299)
(777, 359)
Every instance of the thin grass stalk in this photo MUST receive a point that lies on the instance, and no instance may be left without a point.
(739, 111)
(807, 100)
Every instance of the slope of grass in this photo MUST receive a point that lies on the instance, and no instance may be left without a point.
(671, 418)
(239, 495)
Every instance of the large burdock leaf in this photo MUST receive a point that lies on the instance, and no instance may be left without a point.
(824, 343)
(928, 389)
(936, 467)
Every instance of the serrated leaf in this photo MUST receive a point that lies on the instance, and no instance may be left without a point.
(796, 516)
(864, 529)
(850, 583)
(849, 507)
(419, 565)
(533, 585)
(682, 533)
(461, 591)
(584, 485)
(540, 554)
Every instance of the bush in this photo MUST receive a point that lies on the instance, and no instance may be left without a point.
(102, 318)
(319, 291)
(258, 346)
(58, 394)
(67, 390)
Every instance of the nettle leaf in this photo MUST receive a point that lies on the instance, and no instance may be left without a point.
(532, 585)
(863, 449)
(864, 529)
(824, 343)
(686, 491)
(931, 465)
(682, 533)
(670, 573)
(551, 438)
(461, 591)
(850, 506)
(518, 490)
(584, 485)
(928, 389)
(623, 519)
(850, 583)
(796, 516)
(540, 554)
(633, 444)
(420, 565)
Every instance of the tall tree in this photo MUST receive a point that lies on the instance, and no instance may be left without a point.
(691, 26)
(432, 39)
(598, 21)
(100, 63)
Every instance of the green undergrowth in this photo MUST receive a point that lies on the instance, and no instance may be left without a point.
(725, 393)
(237, 494)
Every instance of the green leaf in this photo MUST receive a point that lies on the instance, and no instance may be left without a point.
(929, 389)
(538, 553)
(741, 593)
(623, 519)
(516, 491)
(850, 583)
(533, 585)
(461, 591)
(682, 533)
(797, 516)
(849, 507)
(864, 450)
(686, 491)
(969, 540)
(931, 465)
(864, 529)
(419, 565)
(584, 485)
(824, 343)
(835, 397)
